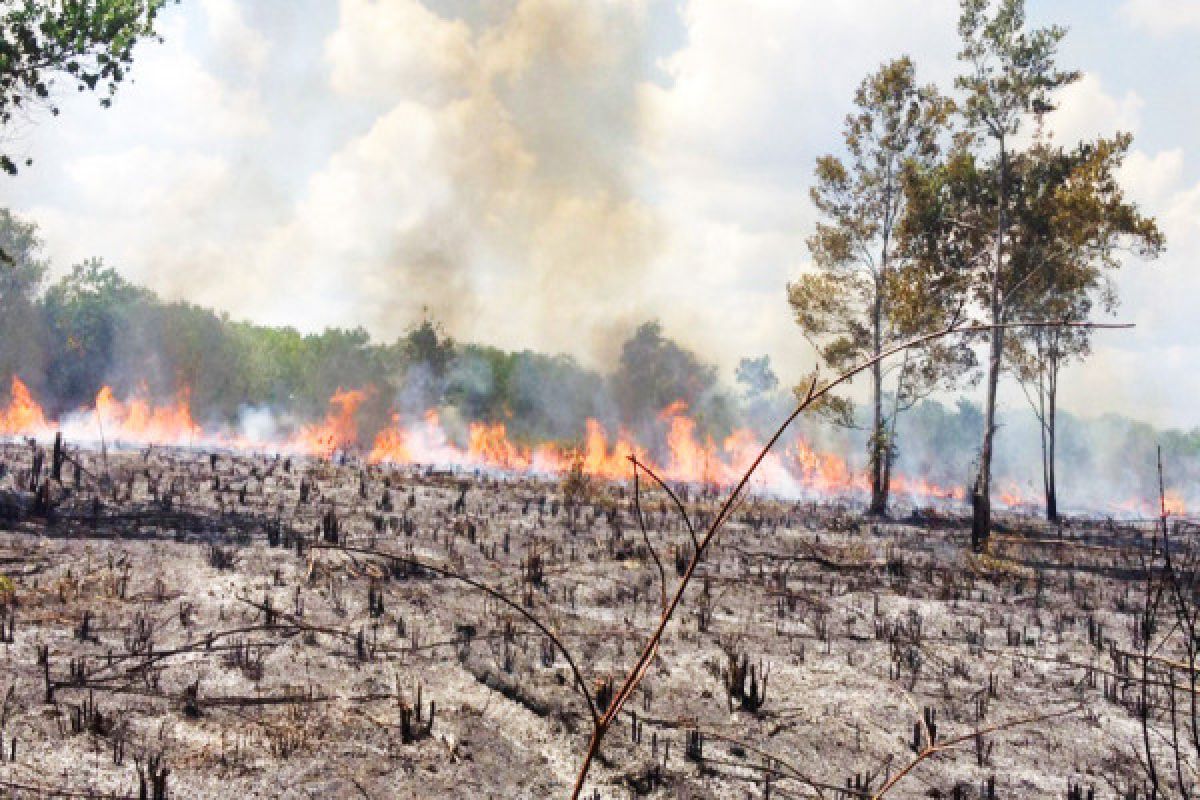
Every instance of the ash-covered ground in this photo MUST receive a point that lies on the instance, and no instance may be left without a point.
(189, 624)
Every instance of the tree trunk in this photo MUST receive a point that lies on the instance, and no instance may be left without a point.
(981, 498)
(1043, 429)
(880, 446)
(878, 443)
(981, 521)
(1051, 439)
(890, 453)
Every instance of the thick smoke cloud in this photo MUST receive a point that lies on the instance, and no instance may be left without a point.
(521, 127)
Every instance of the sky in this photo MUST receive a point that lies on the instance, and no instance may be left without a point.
(548, 174)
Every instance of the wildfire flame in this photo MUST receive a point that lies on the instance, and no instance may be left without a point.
(1172, 503)
(795, 469)
(23, 416)
(798, 469)
(139, 421)
(337, 431)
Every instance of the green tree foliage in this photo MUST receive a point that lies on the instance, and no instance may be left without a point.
(87, 44)
(653, 372)
(547, 396)
(85, 314)
(1071, 224)
(1010, 74)
(97, 328)
(427, 354)
(22, 270)
(539, 397)
(865, 293)
(92, 327)
(1024, 232)
(756, 377)
(428, 344)
(940, 439)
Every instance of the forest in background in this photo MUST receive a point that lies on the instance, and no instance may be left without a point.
(90, 327)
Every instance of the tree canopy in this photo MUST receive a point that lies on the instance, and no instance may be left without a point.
(865, 293)
(85, 44)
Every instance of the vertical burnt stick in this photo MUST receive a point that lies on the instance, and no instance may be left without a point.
(43, 660)
(8, 698)
(694, 746)
(56, 463)
(35, 466)
(8, 623)
(744, 682)
(412, 727)
(375, 606)
(152, 778)
(330, 527)
(84, 632)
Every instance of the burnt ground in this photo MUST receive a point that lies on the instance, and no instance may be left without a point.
(228, 624)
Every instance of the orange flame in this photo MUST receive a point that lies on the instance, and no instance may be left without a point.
(23, 416)
(795, 469)
(337, 431)
(139, 421)
(688, 457)
(919, 487)
(1010, 495)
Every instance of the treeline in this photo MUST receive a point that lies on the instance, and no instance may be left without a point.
(68, 337)
(92, 327)
(1106, 463)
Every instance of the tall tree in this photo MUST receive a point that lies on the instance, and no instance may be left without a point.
(865, 294)
(21, 272)
(1010, 75)
(87, 317)
(653, 372)
(1071, 226)
(86, 43)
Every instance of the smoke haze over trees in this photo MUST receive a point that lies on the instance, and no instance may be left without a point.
(91, 328)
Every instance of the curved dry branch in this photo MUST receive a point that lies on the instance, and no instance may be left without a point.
(933, 749)
(637, 505)
(687, 520)
(811, 395)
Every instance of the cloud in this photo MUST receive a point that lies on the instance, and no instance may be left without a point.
(1162, 17)
(1086, 111)
(383, 50)
(145, 208)
(746, 106)
(153, 185)
(1150, 179)
(532, 147)
(176, 99)
(234, 40)
(1159, 294)
(1144, 373)
(755, 106)
(339, 245)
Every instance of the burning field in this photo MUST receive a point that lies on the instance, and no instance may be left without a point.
(564, 398)
(795, 470)
(202, 622)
